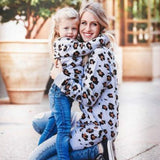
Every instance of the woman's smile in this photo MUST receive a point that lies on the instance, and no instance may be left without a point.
(89, 26)
(89, 35)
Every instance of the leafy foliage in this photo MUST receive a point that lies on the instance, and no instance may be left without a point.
(31, 11)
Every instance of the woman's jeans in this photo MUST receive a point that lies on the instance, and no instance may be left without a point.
(47, 150)
(59, 122)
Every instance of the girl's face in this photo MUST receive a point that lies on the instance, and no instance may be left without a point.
(68, 28)
(89, 26)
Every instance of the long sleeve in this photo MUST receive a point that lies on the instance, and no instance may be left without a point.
(98, 76)
(98, 96)
(64, 47)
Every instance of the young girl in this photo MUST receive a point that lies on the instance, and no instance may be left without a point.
(69, 51)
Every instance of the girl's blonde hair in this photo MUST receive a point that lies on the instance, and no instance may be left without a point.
(63, 13)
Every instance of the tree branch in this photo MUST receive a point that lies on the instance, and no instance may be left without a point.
(40, 27)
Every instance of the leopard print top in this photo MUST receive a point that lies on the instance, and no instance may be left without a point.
(98, 98)
(70, 52)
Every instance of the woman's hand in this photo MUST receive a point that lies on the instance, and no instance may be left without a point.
(56, 70)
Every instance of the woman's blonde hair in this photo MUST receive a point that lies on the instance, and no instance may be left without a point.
(97, 10)
(63, 13)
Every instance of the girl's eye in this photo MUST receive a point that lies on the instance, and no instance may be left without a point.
(65, 28)
(94, 24)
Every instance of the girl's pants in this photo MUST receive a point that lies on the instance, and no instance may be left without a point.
(59, 122)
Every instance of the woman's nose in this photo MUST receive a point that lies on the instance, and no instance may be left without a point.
(87, 28)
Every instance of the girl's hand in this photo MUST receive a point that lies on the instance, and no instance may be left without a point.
(56, 70)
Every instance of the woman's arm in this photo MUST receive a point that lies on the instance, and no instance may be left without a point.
(98, 76)
(64, 47)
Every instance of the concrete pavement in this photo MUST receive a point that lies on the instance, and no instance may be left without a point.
(139, 128)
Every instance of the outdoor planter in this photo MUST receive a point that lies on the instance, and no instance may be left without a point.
(141, 63)
(25, 69)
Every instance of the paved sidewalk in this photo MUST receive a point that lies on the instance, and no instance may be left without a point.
(139, 128)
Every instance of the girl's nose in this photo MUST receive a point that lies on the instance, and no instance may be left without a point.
(70, 31)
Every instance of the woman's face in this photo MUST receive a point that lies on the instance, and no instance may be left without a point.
(89, 26)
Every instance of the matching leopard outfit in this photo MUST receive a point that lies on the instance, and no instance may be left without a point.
(97, 93)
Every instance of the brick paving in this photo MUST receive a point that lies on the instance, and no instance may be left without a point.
(139, 128)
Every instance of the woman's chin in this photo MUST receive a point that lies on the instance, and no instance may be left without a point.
(86, 39)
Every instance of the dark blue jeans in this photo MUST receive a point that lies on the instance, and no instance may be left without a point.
(47, 150)
(59, 122)
(50, 129)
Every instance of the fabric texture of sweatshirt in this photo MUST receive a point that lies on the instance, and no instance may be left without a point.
(98, 98)
(70, 52)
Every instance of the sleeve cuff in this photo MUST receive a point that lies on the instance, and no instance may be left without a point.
(60, 79)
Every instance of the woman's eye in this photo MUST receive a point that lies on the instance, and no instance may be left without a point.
(83, 23)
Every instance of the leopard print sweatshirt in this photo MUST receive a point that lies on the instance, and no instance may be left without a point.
(98, 98)
(70, 52)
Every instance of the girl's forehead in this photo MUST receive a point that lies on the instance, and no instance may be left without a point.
(68, 21)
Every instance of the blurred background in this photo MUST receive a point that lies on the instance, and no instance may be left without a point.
(24, 31)
(135, 24)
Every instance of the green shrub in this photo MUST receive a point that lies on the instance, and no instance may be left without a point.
(31, 11)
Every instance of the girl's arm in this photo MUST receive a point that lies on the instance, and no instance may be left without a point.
(98, 76)
(65, 47)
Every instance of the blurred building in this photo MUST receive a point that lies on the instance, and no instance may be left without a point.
(136, 26)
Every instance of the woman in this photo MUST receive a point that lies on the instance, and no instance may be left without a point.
(98, 96)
